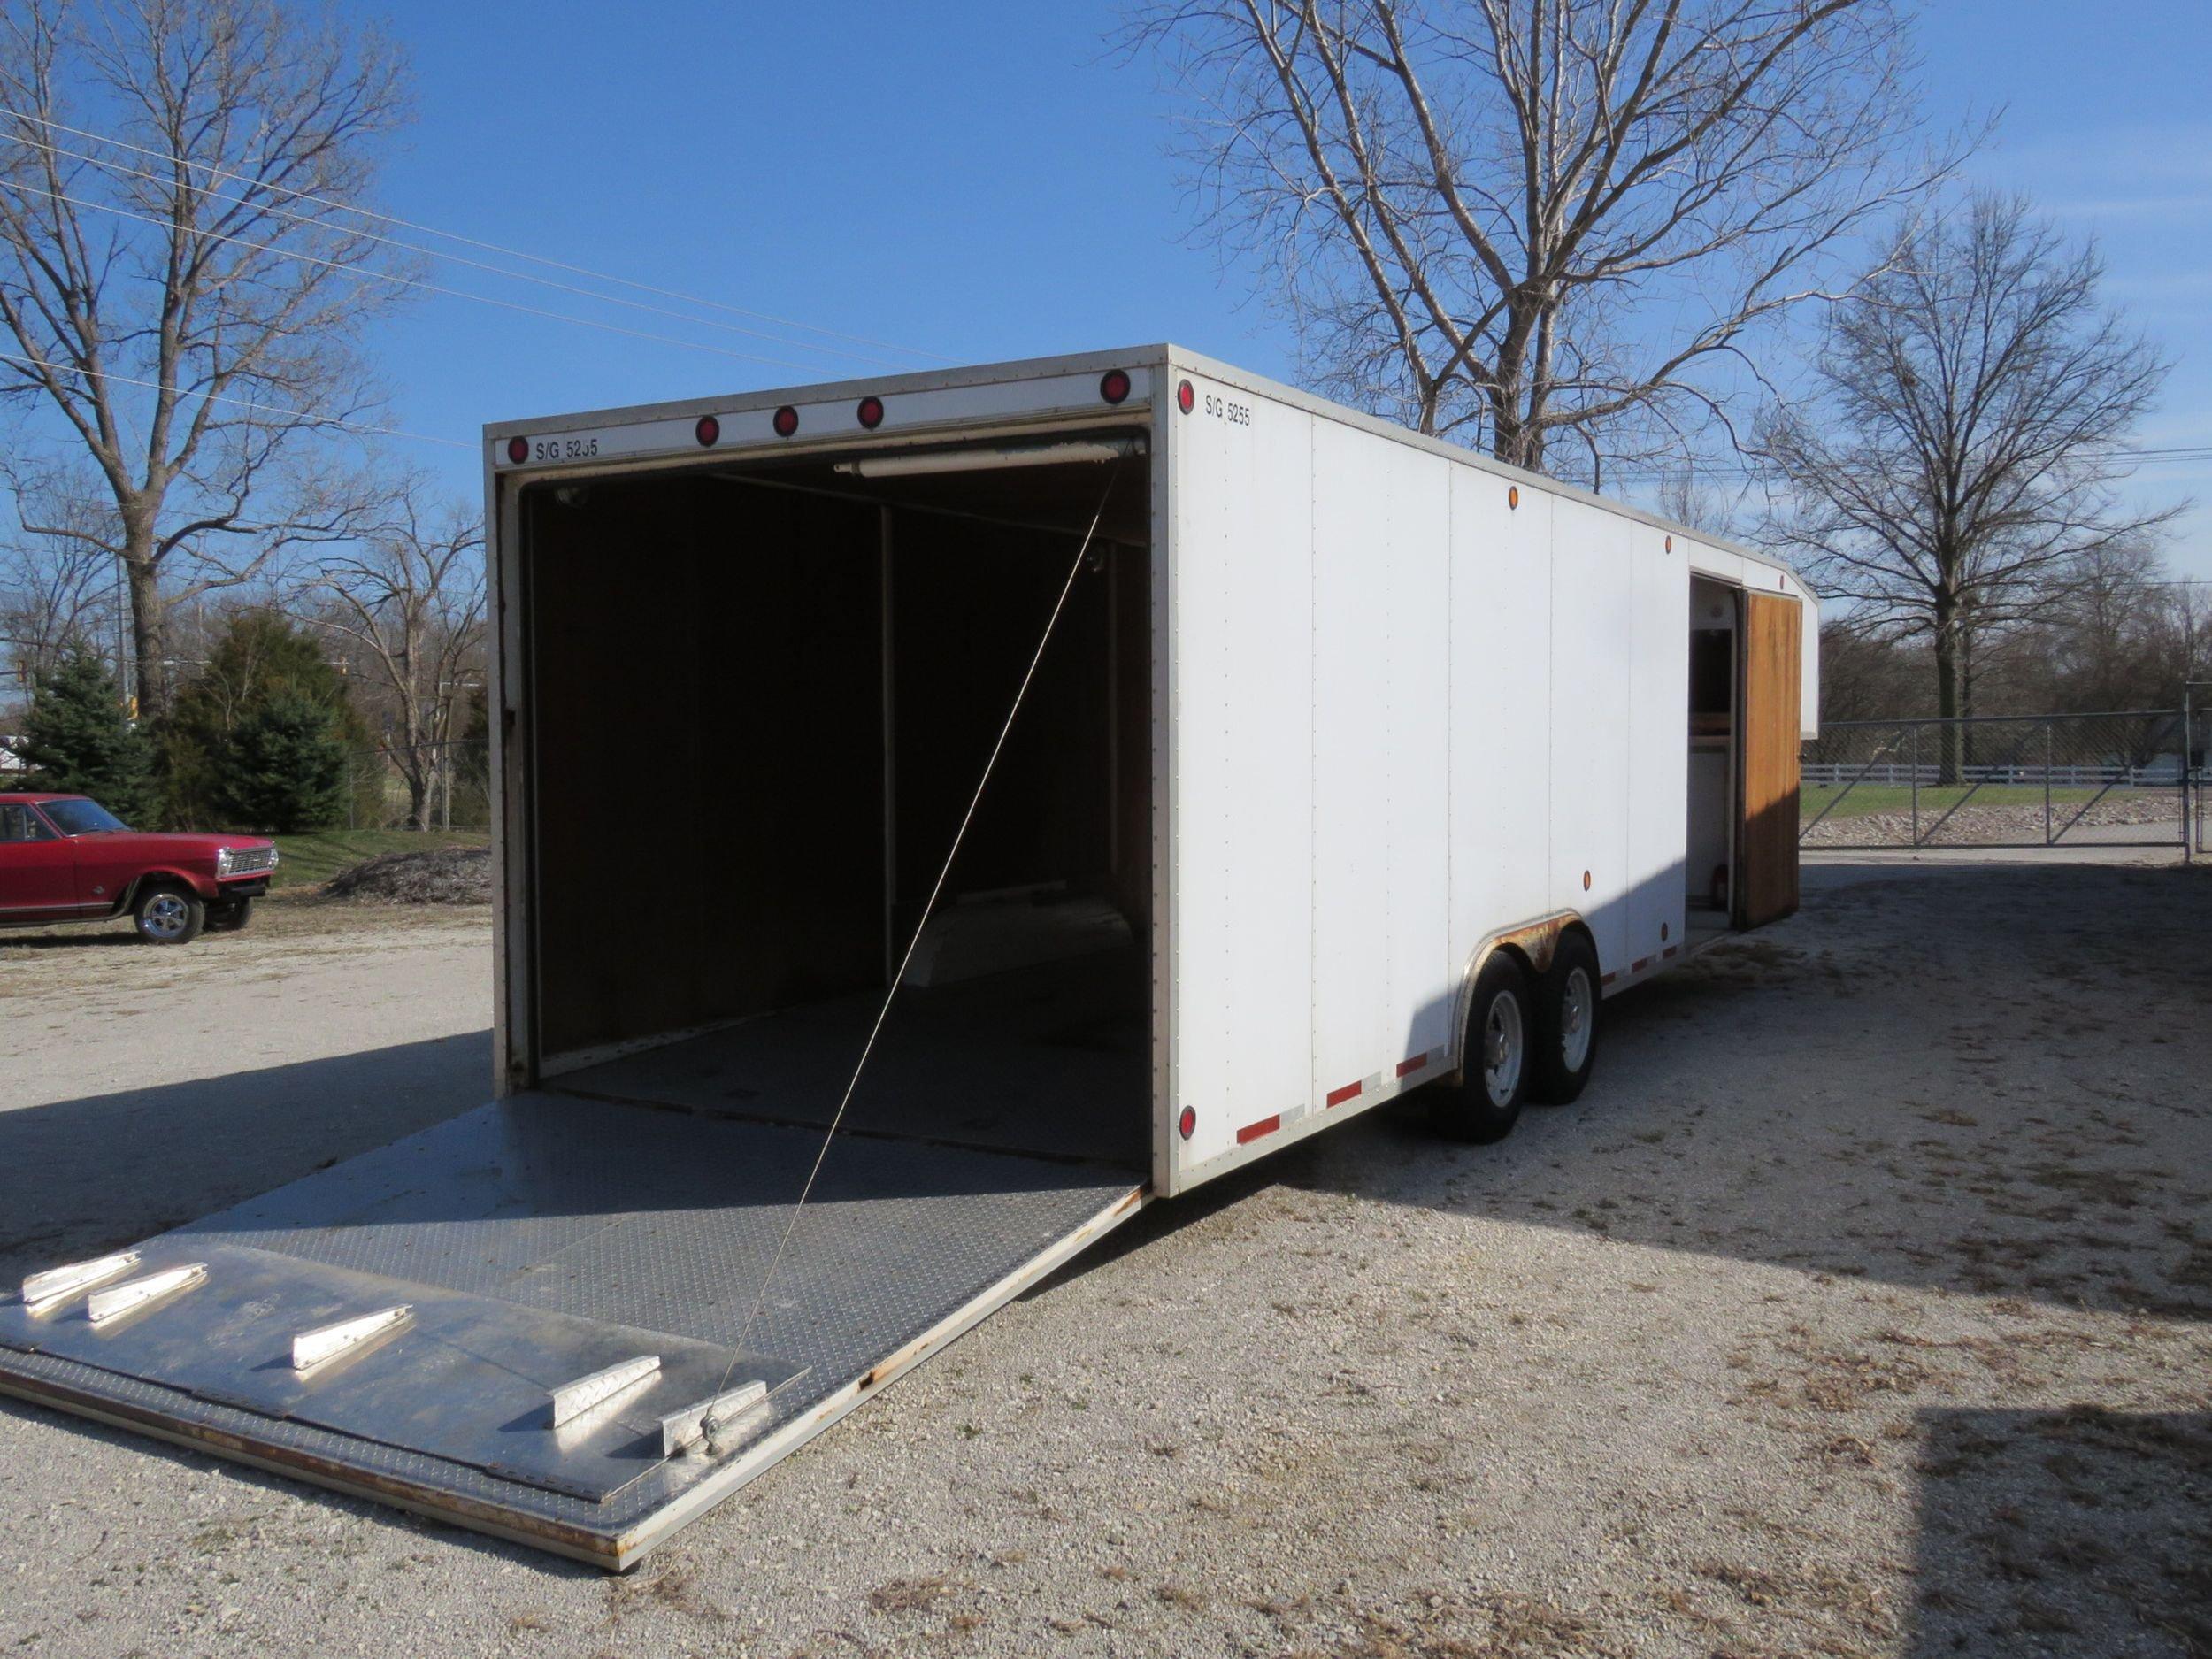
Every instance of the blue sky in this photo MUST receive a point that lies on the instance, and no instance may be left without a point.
(989, 181)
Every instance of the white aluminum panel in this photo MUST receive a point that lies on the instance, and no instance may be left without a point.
(1501, 704)
(1243, 607)
(1352, 601)
(1591, 635)
(1382, 974)
(1658, 744)
(1417, 658)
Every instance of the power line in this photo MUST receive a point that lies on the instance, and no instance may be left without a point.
(428, 287)
(467, 242)
(220, 397)
(452, 258)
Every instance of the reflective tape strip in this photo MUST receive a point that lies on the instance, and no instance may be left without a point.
(1338, 1096)
(1252, 1131)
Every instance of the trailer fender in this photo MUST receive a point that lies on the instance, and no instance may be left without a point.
(1534, 942)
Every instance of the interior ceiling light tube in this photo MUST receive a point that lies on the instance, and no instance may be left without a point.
(991, 460)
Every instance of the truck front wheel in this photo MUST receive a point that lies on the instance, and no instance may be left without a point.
(1485, 1104)
(1567, 1002)
(169, 915)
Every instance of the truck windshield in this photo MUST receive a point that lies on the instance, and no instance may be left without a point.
(80, 817)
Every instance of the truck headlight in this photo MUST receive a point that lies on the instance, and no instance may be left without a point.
(223, 862)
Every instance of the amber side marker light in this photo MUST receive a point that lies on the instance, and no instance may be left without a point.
(1512, 497)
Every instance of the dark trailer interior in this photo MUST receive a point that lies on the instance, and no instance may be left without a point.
(752, 702)
(761, 697)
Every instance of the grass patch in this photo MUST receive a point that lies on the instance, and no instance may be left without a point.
(1867, 798)
(309, 860)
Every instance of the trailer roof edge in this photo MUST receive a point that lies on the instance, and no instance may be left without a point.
(1164, 353)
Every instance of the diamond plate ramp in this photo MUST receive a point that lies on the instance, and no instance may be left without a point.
(542, 1238)
(468, 1379)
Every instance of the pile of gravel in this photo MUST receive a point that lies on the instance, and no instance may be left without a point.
(449, 875)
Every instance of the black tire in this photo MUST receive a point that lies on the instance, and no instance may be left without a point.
(1568, 998)
(1485, 1103)
(169, 915)
(228, 916)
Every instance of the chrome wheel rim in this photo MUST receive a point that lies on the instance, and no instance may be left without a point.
(1577, 1007)
(166, 915)
(1501, 1048)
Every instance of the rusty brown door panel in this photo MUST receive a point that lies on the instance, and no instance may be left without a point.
(1766, 832)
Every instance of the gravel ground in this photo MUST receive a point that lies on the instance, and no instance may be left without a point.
(1863, 1306)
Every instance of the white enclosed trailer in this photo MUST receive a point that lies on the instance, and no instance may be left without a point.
(1342, 762)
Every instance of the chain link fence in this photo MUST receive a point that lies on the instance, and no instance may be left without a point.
(2117, 779)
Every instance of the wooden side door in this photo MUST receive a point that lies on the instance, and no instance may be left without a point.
(1766, 831)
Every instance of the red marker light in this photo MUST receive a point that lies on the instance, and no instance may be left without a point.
(1186, 399)
(709, 431)
(786, 421)
(1187, 1122)
(1114, 386)
(870, 413)
(518, 451)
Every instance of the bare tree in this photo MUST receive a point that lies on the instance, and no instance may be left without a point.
(1956, 461)
(180, 291)
(53, 599)
(410, 596)
(1541, 218)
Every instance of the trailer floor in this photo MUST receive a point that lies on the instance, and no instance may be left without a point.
(1051, 1061)
(590, 1213)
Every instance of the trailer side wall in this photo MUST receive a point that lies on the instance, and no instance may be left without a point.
(1415, 704)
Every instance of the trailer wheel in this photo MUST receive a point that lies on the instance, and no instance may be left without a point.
(1494, 1068)
(1567, 1005)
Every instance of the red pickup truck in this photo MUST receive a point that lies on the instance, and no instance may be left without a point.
(67, 858)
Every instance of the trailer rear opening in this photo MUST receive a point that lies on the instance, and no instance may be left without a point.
(802, 669)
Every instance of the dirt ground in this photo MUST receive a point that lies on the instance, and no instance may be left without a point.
(1862, 1306)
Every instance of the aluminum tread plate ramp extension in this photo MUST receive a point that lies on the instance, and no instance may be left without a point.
(538, 1239)
(469, 1379)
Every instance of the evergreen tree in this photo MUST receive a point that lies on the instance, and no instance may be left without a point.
(260, 657)
(283, 766)
(77, 739)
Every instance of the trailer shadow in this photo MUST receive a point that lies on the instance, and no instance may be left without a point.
(1915, 1081)
(80, 1176)
(2075, 1531)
